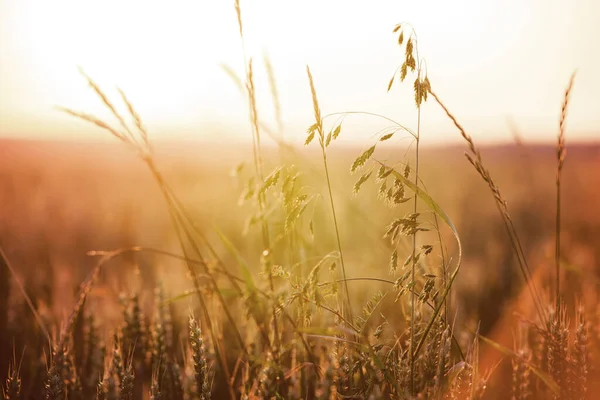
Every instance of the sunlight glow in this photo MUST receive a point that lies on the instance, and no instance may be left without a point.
(489, 60)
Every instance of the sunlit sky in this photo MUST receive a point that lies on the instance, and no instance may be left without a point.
(491, 61)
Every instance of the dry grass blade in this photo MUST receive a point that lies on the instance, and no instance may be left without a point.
(238, 12)
(315, 102)
(108, 104)
(475, 159)
(234, 77)
(96, 121)
(254, 121)
(136, 117)
(278, 139)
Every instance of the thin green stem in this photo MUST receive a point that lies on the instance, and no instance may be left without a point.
(414, 261)
(319, 127)
(372, 114)
(337, 232)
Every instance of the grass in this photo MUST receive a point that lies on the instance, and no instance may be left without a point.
(281, 315)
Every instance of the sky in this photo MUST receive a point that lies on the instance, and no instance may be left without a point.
(495, 63)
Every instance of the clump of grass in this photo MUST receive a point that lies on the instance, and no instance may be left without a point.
(187, 233)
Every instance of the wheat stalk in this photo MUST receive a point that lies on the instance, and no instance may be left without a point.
(560, 155)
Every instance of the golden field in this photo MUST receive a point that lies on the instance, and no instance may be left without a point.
(62, 200)
(347, 259)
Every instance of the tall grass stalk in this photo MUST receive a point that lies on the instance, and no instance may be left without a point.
(560, 155)
(322, 142)
(258, 164)
(421, 85)
(414, 243)
(262, 200)
(475, 159)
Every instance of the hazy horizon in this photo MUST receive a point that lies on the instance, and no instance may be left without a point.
(494, 64)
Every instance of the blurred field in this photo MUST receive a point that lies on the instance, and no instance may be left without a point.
(61, 200)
